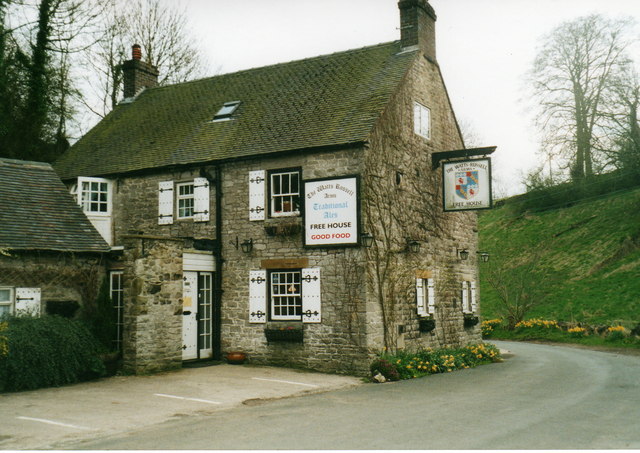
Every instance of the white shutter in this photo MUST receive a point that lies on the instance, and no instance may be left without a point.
(422, 311)
(201, 200)
(165, 203)
(257, 185)
(473, 297)
(431, 296)
(311, 306)
(465, 297)
(258, 296)
(28, 301)
(416, 118)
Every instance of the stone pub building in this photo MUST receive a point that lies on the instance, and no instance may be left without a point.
(291, 211)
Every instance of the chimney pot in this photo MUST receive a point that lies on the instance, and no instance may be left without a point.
(136, 52)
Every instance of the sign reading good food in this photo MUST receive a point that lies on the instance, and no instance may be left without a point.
(467, 185)
(331, 212)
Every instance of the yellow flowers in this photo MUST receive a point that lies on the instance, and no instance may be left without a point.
(536, 322)
(616, 329)
(488, 326)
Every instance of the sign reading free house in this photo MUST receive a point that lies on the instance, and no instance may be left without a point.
(331, 212)
(467, 185)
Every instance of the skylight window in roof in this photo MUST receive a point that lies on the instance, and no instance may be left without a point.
(228, 108)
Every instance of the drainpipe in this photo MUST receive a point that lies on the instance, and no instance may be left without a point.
(217, 293)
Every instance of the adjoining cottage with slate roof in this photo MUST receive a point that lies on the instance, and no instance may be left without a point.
(290, 212)
(46, 241)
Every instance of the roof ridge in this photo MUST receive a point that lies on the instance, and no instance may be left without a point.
(23, 163)
(275, 65)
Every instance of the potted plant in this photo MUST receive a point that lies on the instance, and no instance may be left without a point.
(236, 357)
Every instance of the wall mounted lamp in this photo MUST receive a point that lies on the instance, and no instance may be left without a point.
(366, 239)
(484, 256)
(413, 245)
(247, 245)
(463, 253)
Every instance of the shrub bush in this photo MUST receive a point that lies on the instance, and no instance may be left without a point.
(385, 368)
(48, 352)
(409, 365)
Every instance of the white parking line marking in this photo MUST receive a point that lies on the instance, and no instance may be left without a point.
(285, 382)
(51, 422)
(198, 400)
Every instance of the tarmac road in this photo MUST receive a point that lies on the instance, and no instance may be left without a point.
(541, 397)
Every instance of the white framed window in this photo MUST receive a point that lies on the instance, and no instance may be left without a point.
(421, 120)
(285, 290)
(6, 301)
(116, 290)
(93, 195)
(285, 295)
(284, 193)
(185, 200)
(425, 296)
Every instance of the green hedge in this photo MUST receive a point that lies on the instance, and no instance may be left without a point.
(47, 352)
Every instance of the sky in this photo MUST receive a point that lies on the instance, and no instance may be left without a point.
(484, 49)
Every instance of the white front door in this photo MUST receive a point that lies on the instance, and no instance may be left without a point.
(190, 316)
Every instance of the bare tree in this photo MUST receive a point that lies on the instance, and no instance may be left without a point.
(161, 31)
(571, 76)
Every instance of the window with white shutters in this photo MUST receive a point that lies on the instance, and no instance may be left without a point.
(469, 303)
(285, 295)
(425, 296)
(116, 291)
(184, 201)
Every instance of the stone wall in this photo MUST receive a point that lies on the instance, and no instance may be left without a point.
(61, 277)
(406, 202)
(153, 303)
(338, 344)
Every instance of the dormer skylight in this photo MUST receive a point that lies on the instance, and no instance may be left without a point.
(225, 113)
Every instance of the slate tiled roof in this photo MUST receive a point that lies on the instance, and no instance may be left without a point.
(38, 213)
(323, 101)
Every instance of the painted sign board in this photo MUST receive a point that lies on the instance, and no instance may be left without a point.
(467, 185)
(331, 212)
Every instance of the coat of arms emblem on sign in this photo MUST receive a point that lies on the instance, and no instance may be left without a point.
(467, 184)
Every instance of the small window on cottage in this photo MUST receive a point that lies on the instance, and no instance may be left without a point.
(227, 110)
(421, 120)
(425, 296)
(286, 295)
(6, 302)
(284, 193)
(94, 195)
(185, 200)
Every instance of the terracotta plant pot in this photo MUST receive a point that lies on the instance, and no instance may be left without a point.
(236, 357)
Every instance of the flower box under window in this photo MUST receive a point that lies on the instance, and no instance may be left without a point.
(470, 320)
(284, 333)
(427, 324)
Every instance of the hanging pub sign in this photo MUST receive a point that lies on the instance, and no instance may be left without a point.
(331, 212)
(467, 185)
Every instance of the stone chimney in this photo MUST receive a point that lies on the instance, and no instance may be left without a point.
(137, 74)
(418, 26)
